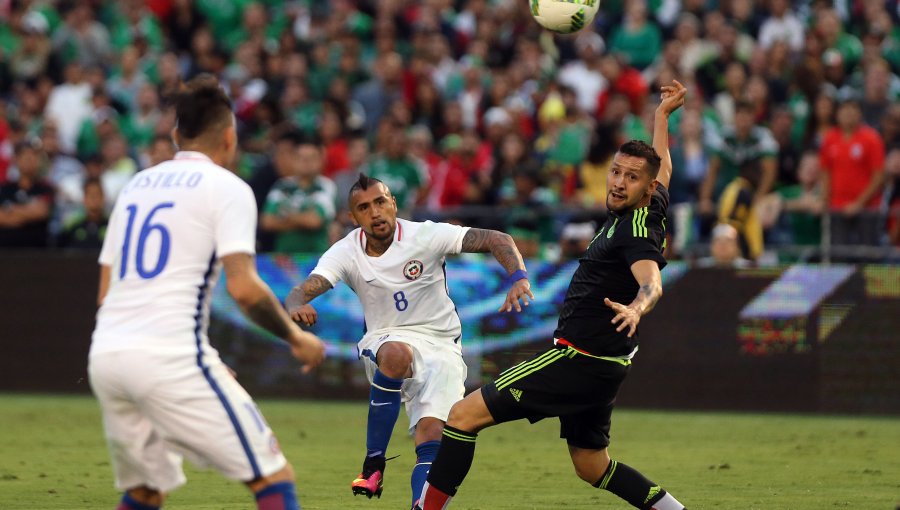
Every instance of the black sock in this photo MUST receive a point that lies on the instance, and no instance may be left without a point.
(453, 460)
(627, 483)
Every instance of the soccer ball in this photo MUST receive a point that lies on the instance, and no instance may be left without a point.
(564, 16)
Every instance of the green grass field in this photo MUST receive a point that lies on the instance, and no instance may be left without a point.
(52, 456)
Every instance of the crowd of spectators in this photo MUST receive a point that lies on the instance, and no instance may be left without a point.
(467, 110)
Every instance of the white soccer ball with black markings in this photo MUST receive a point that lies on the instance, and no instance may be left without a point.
(564, 16)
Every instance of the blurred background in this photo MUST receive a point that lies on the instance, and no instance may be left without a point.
(783, 284)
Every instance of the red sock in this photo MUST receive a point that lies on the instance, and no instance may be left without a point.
(270, 502)
(433, 498)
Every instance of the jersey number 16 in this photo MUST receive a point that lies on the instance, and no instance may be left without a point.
(147, 228)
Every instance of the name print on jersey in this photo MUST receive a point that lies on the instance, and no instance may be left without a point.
(413, 269)
(181, 179)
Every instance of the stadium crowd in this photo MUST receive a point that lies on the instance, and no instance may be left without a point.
(467, 110)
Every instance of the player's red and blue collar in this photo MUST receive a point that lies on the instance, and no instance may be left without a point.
(192, 155)
(398, 235)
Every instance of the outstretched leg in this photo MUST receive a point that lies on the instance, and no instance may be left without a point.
(467, 418)
(596, 468)
(394, 361)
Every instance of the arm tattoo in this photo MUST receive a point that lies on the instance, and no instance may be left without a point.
(313, 287)
(500, 245)
(649, 293)
(476, 240)
(267, 313)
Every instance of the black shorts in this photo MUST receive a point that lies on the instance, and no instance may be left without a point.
(578, 388)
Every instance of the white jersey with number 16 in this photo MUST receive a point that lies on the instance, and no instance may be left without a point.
(169, 227)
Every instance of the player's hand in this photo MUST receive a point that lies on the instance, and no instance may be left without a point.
(303, 314)
(308, 349)
(521, 289)
(626, 317)
(671, 97)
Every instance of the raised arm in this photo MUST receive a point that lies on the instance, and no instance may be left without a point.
(672, 98)
(297, 302)
(646, 272)
(502, 247)
(258, 303)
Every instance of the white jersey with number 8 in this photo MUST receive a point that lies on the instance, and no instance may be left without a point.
(404, 289)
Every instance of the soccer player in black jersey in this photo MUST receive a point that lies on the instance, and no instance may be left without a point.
(577, 380)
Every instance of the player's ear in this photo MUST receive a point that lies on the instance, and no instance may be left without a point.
(352, 218)
(230, 136)
(652, 188)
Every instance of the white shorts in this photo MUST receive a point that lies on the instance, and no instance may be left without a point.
(438, 373)
(157, 409)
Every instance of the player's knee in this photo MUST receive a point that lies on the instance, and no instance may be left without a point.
(395, 360)
(429, 429)
(462, 418)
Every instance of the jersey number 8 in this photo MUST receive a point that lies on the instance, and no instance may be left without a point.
(400, 301)
(147, 228)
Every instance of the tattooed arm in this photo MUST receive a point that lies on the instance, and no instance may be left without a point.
(503, 249)
(258, 303)
(646, 272)
(298, 300)
(501, 246)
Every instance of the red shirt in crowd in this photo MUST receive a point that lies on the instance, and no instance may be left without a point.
(335, 157)
(851, 162)
(632, 85)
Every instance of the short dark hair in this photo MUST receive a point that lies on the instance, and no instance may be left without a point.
(289, 135)
(27, 145)
(201, 106)
(850, 101)
(362, 184)
(642, 149)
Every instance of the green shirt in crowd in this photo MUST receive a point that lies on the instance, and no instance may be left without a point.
(402, 176)
(806, 228)
(641, 46)
(734, 152)
(288, 197)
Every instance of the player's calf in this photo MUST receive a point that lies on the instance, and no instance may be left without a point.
(276, 491)
(630, 485)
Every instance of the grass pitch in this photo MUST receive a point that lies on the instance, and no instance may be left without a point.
(52, 456)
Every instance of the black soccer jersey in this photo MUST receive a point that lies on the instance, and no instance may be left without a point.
(604, 271)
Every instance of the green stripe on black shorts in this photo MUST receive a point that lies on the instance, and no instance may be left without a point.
(579, 389)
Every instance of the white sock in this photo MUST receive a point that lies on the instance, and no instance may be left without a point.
(668, 503)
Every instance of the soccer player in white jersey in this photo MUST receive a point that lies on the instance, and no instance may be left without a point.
(411, 348)
(162, 388)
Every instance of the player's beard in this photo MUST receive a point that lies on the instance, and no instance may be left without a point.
(389, 233)
(616, 206)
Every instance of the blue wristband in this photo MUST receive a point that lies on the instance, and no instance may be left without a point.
(519, 274)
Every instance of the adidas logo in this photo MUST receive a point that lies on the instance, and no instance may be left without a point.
(517, 394)
(653, 492)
